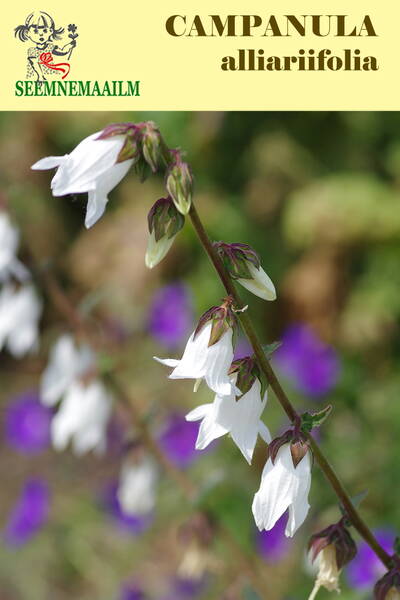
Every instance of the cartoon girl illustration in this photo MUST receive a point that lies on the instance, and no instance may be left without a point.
(39, 28)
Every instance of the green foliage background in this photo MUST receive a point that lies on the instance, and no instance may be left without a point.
(318, 196)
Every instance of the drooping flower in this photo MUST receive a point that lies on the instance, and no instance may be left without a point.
(177, 440)
(131, 524)
(137, 487)
(331, 549)
(240, 417)
(366, 567)
(10, 266)
(312, 365)
(171, 314)
(209, 351)
(284, 485)
(96, 166)
(30, 513)
(27, 424)
(67, 363)
(165, 222)
(388, 586)
(243, 265)
(82, 418)
(273, 545)
(20, 311)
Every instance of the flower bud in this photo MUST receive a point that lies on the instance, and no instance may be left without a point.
(243, 264)
(332, 548)
(388, 587)
(165, 222)
(155, 152)
(179, 184)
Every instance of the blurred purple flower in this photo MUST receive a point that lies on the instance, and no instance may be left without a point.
(273, 545)
(30, 513)
(242, 348)
(178, 440)
(27, 424)
(171, 315)
(366, 568)
(184, 589)
(312, 365)
(134, 525)
(131, 591)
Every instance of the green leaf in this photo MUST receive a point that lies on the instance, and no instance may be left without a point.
(311, 420)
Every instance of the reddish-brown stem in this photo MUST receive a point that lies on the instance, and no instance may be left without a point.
(284, 401)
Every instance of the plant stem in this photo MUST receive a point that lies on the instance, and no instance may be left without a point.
(287, 406)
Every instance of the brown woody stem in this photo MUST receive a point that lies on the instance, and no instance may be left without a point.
(284, 401)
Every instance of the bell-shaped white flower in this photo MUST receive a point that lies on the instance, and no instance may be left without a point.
(201, 361)
(259, 284)
(67, 364)
(137, 487)
(328, 572)
(240, 417)
(9, 240)
(283, 486)
(82, 418)
(91, 167)
(20, 311)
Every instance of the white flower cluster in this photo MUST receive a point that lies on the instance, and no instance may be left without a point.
(20, 307)
(284, 485)
(96, 166)
(85, 406)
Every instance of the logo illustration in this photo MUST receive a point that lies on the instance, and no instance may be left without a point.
(40, 30)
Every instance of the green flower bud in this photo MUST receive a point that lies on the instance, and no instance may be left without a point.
(165, 222)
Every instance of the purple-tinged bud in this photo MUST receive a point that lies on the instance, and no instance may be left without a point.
(332, 548)
(155, 151)
(247, 371)
(337, 535)
(164, 222)
(388, 587)
(131, 147)
(179, 182)
(243, 264)
(222, 319)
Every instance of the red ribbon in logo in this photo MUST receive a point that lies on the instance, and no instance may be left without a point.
(46, 59)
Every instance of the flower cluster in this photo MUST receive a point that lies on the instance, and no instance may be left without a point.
(84, 403)
(20, 307)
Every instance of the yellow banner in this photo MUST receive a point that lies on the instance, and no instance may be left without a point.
(200, 56)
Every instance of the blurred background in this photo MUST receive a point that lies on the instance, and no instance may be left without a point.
(318, 197)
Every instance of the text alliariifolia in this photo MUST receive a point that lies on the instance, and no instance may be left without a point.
(305, 60)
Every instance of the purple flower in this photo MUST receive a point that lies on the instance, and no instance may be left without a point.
(30, 513)
(366, 568)
(131, 591)
(273, 545)
(242, 348)
(134, 525)
(178, 440)
(27, 424)
(171, 315)
(311, 364)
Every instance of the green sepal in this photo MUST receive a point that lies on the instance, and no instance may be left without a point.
(311, 420)
(165, 219)
(269, 349)
(130, 149)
